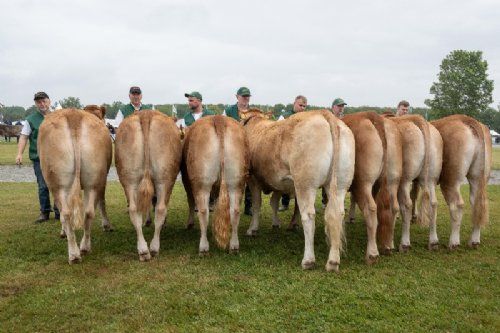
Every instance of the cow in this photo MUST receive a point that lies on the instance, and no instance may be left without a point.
(370, 176)
(215, 157)
(10, 131)
(297, 156)
(466, 154)
(148, 153)
(422, 159)
(75, 154)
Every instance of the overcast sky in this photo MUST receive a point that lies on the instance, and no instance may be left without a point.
(368, 52)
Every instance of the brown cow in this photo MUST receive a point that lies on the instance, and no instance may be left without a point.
(422, 158)
(466, 154)
(75, 154)
(297, 156)
(148, 153)
(371, 166)
(10, 131)
(215, 155)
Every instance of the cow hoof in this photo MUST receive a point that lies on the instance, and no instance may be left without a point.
(386, 251)
(204, 253)
(308, 264)
(252, 233)
(235, 250)
(453, 247)
(62, 235)
(433, 246)
(75, 260)
(474, 245)
(153, 253)
(144, 256)
(84, 252)
(404, 248)
(371, 260)
(108, 228)
(332, 266)
(189, 226)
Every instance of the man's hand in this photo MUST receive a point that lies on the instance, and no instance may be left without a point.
(19, 159)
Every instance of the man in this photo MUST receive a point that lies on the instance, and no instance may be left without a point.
(195, 102)
(299, 105)
(135, 96)
(403, 108)
(30, 132)
(238, 112)
(338, 107)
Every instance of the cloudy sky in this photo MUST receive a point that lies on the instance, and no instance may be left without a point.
(368, 52)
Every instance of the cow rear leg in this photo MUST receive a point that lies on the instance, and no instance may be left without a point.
(294, 222)
(405, 205)
(275, 199)
(106, 225)
(235, 197)
(364, 199)
(74, 255)
(334, 216)
(456, 204)
(163, 197)
(190, 200)
(89, 202)
(475, 239)
(305, 200)
(136, 219)
(414, 196)
(202, 198)
(256, 204)
(433, 237)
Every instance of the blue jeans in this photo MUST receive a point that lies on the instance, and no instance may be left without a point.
(43, 190)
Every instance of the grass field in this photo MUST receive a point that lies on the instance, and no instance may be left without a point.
(261, 289)
(8, 152)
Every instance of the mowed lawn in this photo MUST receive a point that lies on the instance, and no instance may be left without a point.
(261, 289)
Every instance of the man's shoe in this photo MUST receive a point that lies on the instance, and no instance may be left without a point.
(282, 208)
(44, 216)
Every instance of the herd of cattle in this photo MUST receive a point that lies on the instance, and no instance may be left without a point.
(376, 157)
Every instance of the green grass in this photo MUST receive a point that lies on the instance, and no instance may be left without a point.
(496, 158)
(8, 153)
(262, 289)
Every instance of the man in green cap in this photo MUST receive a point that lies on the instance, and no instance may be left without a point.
(197, 110)
(299, 105)
(30, 132)
(237, 112)
(338, 107)
(135, 96)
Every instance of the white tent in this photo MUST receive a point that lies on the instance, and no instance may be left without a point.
(493, 133)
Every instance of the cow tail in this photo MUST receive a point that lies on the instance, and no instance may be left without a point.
(146, 187)
(334, 224)
(222, 219)
(75, 204)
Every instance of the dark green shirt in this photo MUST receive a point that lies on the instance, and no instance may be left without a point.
(189, 118)
(232, 112)
(129, 109)
(34, 120)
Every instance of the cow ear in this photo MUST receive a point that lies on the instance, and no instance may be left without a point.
(103, 111)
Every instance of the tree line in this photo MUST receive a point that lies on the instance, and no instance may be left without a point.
(462, 87)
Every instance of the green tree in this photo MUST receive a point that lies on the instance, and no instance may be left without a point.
(12, 113)
(463, 86)
(71, 102)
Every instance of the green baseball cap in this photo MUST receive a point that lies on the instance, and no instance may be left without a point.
(338, 101)
(194, 94)
(243, 91)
